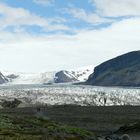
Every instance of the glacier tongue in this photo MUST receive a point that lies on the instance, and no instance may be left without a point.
(33, 78)
(68, 94)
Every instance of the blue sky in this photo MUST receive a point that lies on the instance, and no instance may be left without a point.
(71, 16)
(44, 35)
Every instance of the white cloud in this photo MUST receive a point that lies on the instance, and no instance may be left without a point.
(115, 8)
(11, 16)
(21, 51)
(44, 2)
(25, 52)
(89, 17)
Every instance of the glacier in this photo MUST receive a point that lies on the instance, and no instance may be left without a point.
(62, 94)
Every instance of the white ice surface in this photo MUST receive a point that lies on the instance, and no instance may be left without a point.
(67, 94)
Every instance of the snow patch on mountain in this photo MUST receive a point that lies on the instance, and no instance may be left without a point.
(83, 73)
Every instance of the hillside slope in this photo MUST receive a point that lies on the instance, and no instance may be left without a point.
(123, 70)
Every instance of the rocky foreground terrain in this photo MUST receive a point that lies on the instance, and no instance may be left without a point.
(27, 126)
(70, 123)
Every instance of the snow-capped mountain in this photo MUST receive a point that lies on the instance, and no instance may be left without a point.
(65, 76)
(80, 74)
(76, 75)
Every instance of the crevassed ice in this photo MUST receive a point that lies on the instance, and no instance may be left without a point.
(79, 95)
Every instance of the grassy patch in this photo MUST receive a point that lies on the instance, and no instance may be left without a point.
(37, 128)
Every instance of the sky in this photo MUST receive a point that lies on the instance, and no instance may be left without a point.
(50, 35)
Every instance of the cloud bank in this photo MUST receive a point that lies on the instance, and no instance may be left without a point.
(22, 50)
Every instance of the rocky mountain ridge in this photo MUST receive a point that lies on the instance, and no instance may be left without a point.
(3, 79)
(123, 70)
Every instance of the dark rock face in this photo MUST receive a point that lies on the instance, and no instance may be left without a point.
(64, 76)
(3, 79)
(123, 70)
(12, 76)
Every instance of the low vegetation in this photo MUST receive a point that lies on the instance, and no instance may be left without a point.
(18, 127)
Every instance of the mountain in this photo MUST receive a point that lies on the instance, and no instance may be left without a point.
(80, 74)
(123, 70)
(64, 77)
(3, 79)
(76, 75)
